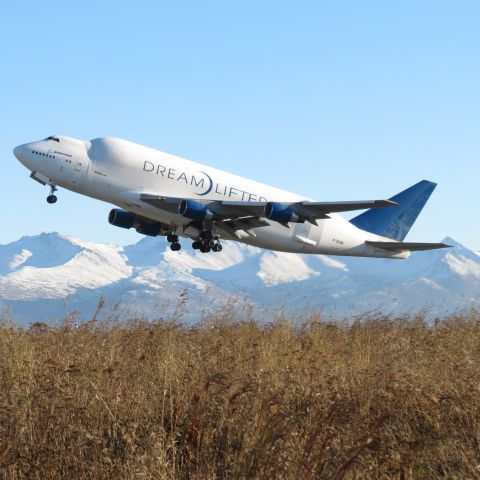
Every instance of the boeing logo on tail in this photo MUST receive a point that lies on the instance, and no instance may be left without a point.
(161, 194)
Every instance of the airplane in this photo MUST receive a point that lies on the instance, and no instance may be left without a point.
(161, 194)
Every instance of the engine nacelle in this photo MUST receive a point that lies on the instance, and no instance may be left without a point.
(150, 229)
(194, 210)
(124, 219)
(121, 218)
(281, 213)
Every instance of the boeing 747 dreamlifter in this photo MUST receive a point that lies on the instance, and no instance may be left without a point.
(161, 194)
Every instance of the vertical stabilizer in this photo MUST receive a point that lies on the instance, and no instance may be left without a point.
(395, 222)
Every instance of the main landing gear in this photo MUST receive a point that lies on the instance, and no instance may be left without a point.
(174, 243)
(52, 198)
(207, 243)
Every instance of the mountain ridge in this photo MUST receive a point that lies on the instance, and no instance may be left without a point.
(46, 276)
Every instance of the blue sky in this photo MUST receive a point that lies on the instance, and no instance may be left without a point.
(339, 100)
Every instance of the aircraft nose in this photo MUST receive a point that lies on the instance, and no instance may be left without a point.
(17, 151)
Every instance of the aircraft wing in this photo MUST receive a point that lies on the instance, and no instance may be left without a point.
(412, 246)
(235, 208)
(317, 210)
(235, 215)
(246, 215)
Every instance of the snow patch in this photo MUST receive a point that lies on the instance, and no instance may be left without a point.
(462, 265)
(87, 269)
(330, 262)
(19, 259)
(430, 283)
(277, 268)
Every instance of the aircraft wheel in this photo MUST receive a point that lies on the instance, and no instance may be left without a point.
(217, 248)
(196, 245)
(175, 247)
(51, 198)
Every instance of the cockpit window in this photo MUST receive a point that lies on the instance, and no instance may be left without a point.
(55, 139)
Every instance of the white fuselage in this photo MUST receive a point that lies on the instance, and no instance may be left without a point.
(118, 171)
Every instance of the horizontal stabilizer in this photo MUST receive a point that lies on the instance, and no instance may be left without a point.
(412, 246)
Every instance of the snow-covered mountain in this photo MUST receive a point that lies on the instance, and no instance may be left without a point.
(45, 277)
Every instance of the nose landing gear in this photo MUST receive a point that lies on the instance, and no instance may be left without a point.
(52, 198)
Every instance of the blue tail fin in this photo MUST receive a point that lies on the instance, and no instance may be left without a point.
(395, 222)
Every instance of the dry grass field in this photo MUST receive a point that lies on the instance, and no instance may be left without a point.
(375, 398)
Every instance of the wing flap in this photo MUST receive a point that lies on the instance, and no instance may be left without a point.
(412, 246)
(245, 223)
(169, 204)
(319, 210)
(227, 208)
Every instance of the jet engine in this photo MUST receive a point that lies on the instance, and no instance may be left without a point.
(121, 218)
(150, 229)
(281, 213)
(194, 210)
(124, 219)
